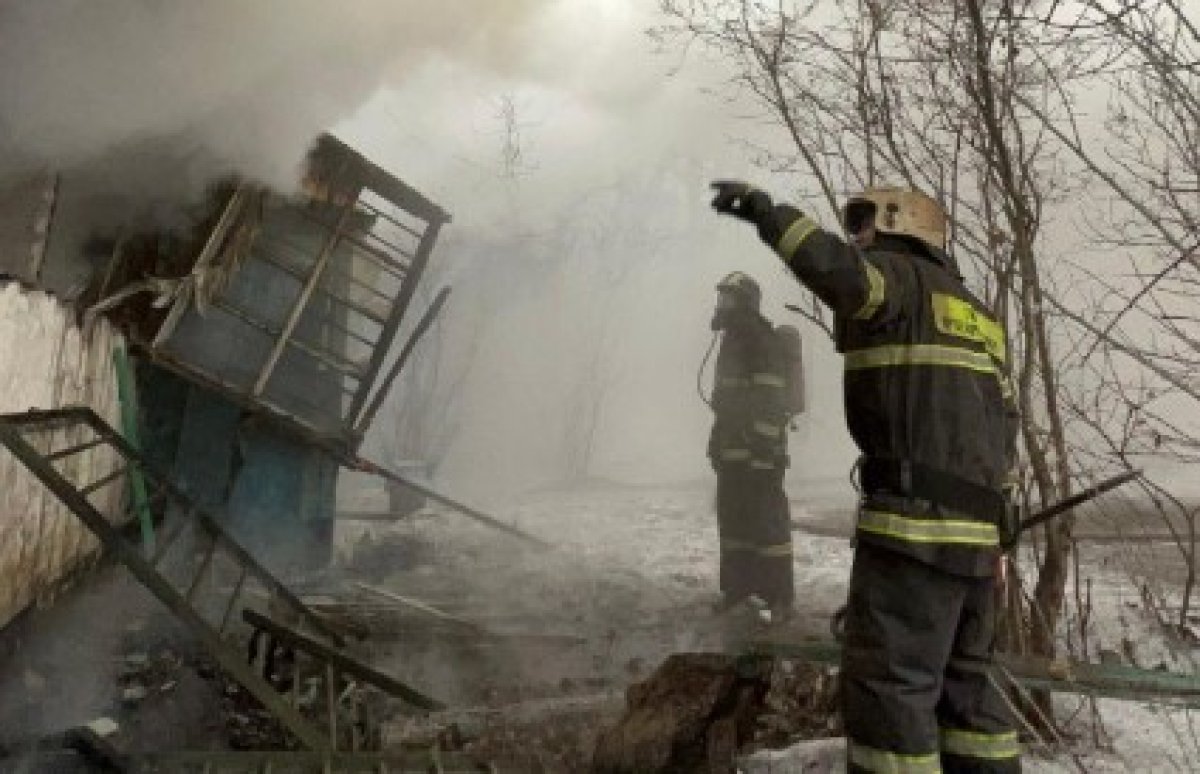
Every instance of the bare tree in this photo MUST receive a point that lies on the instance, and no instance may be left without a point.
(1139, 333)
(605, 243)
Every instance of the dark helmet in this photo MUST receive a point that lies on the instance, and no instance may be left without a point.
(742, 286)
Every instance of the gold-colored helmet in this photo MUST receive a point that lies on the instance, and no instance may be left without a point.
(899, 211)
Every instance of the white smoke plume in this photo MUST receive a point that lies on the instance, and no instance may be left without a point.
(220, 84)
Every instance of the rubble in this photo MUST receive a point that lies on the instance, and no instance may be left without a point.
(700, 713)
(690, 715)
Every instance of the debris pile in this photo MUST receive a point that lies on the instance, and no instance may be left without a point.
(801, 704)
(701, 712)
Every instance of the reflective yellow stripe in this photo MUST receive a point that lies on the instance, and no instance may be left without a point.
(876, 288)
(958, 317)
(779, 550)
(894, 525)
(761, 465)
(973, 744)
(734, 381)
(884, 762)
(735, 455)
(768, 429)
(801, 228)
(763, 379)
(919, 354)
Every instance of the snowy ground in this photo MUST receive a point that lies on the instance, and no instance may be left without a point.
(632, 567)
(632, 574)
(633, 571)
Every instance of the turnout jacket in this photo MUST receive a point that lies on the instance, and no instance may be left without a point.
(750, 426)
(925, 391)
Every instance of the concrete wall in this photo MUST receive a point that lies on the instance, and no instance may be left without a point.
(45, 363)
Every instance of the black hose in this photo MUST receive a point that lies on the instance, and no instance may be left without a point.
(703, 365)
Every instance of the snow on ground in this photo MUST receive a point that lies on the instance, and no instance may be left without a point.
(633, 570)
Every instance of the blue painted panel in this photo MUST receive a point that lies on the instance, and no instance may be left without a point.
(278, 493)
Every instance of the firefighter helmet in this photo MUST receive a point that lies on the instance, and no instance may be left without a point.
(899, 211)
(742, 286)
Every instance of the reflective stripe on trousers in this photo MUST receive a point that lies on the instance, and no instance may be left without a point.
(965, 744)
(884, 762)
(976, 744)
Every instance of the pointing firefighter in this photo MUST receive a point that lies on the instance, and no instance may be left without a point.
(748, 450)
(926, 404)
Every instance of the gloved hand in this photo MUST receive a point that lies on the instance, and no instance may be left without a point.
(741, 200)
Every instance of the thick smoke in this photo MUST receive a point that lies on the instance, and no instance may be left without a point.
(216, 85)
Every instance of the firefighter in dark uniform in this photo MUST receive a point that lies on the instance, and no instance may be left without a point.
(748, 450)
(927, 404)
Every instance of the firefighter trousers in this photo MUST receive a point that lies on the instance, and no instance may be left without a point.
(915, 690)
(754, 522)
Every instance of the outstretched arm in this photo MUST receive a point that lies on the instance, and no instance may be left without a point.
(849, 283)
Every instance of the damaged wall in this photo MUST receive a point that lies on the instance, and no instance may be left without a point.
(44, 363)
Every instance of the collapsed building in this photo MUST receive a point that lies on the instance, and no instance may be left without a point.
(258, 335)
(201, 384)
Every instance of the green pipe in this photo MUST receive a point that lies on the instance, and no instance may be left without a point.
(127, 394)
